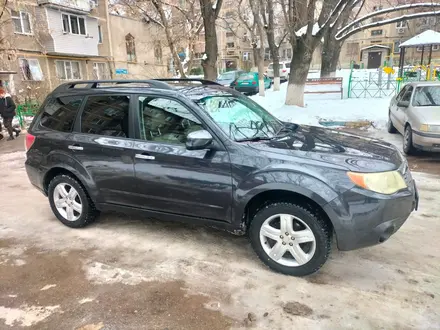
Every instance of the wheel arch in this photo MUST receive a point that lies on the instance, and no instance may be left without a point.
(313, 202)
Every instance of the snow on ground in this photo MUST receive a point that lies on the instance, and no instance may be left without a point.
(326, 107)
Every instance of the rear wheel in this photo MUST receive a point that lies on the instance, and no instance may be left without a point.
(70, 202)
(390, 127)
(408, 146)
(290, 239)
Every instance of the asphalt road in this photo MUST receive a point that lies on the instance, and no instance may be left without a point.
(131, 273)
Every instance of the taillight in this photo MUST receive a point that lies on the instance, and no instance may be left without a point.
(254, 82)
(284, 70)
(236, 83)
(29, 141)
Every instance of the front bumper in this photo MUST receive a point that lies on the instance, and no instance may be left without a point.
(362, 218)
(426, 141)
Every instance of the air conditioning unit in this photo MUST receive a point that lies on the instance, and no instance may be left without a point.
(400, 30)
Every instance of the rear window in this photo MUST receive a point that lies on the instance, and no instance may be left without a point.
(246, 76)
(287, 65)
(60, 112)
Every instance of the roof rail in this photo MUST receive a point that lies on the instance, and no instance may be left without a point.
(203, 81)
(95, 84)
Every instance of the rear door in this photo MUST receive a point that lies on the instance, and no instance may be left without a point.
(103, 145)
(400, 113)
(171, 178)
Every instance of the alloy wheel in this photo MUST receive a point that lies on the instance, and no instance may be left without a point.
(287, 240)
(67, 202)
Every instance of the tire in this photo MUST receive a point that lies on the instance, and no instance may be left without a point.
(408, 147)
(60, 193)
(390, 127)
(305, 225)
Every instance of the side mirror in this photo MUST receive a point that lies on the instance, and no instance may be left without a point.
(198, 140)
(403, 104)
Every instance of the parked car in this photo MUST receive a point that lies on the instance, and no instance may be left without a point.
(284, 70)
(210, 155)
(227, 78)
(415, 113)
(247, 83)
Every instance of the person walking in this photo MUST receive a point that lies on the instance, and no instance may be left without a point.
(7, 112)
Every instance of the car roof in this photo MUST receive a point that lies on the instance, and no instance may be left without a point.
(424, 83)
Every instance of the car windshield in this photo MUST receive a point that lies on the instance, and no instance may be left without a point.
(240, 118)
(227, 76)
(427, 96)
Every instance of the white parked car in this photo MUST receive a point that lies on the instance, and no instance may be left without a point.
(284, 70)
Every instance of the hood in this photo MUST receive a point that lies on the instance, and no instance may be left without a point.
(428, 115)
(342, 149)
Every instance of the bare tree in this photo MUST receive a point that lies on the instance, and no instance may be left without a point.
(210, 11)
(268, 15)
(256, 10)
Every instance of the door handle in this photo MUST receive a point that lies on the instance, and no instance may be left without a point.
(146, 157)
(75, 147)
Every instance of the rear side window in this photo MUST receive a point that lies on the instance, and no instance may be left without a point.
(60, 112)
(106, 115)
(246, 76)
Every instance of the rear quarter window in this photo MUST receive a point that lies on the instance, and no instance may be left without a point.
(59, 113)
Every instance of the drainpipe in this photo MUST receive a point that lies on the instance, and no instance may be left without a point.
(110, 39)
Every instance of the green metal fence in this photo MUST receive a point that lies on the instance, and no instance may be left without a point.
(29, 109)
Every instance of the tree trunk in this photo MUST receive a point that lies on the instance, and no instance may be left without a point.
(170, 38)
(299, 69)
(274, 50)
(255, 7)
(260, 65)
(211, 48)
(331, 49)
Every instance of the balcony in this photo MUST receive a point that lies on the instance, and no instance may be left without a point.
(78, 6)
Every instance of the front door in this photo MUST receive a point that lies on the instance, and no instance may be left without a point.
(374, 60)
(400, 113)
(102, 145)
(171, 178)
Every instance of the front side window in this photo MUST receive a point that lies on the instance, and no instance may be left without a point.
(30, 69)
(106, 115)
(68, 70)
(22, 22)
(164, 120)
(427, 96)
(407, 96)
(240, 118)
(59, 113)
(73, 24)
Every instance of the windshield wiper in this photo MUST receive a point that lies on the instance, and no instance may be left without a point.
(255, 139)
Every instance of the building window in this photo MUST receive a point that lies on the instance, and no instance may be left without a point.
(100, 71)
(68, 70)
(376, 32)
(401, 25)
(230, 45)
(396, 47)
(376, 8)
(246, 56)
(74, 24)
(267, 54)
(99, 34)
(22, 22)
(131, 48)
(95, 2)
(158, 53)
(419, 48)
(229, 34)
(30, 69)
(352, 48)
(435, 48)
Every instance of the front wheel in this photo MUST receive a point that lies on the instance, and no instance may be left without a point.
(408, 146)
(290, 239)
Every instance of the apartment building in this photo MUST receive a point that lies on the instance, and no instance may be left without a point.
(375, 46)
(48, 42)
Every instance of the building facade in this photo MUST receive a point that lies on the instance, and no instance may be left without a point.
(48, 42)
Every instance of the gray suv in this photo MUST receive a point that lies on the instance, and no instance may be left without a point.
(195, 151)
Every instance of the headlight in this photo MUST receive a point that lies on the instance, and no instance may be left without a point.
(430, 128)
(383, 182)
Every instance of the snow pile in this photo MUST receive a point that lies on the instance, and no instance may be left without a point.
(428, 37)
(325, 108)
